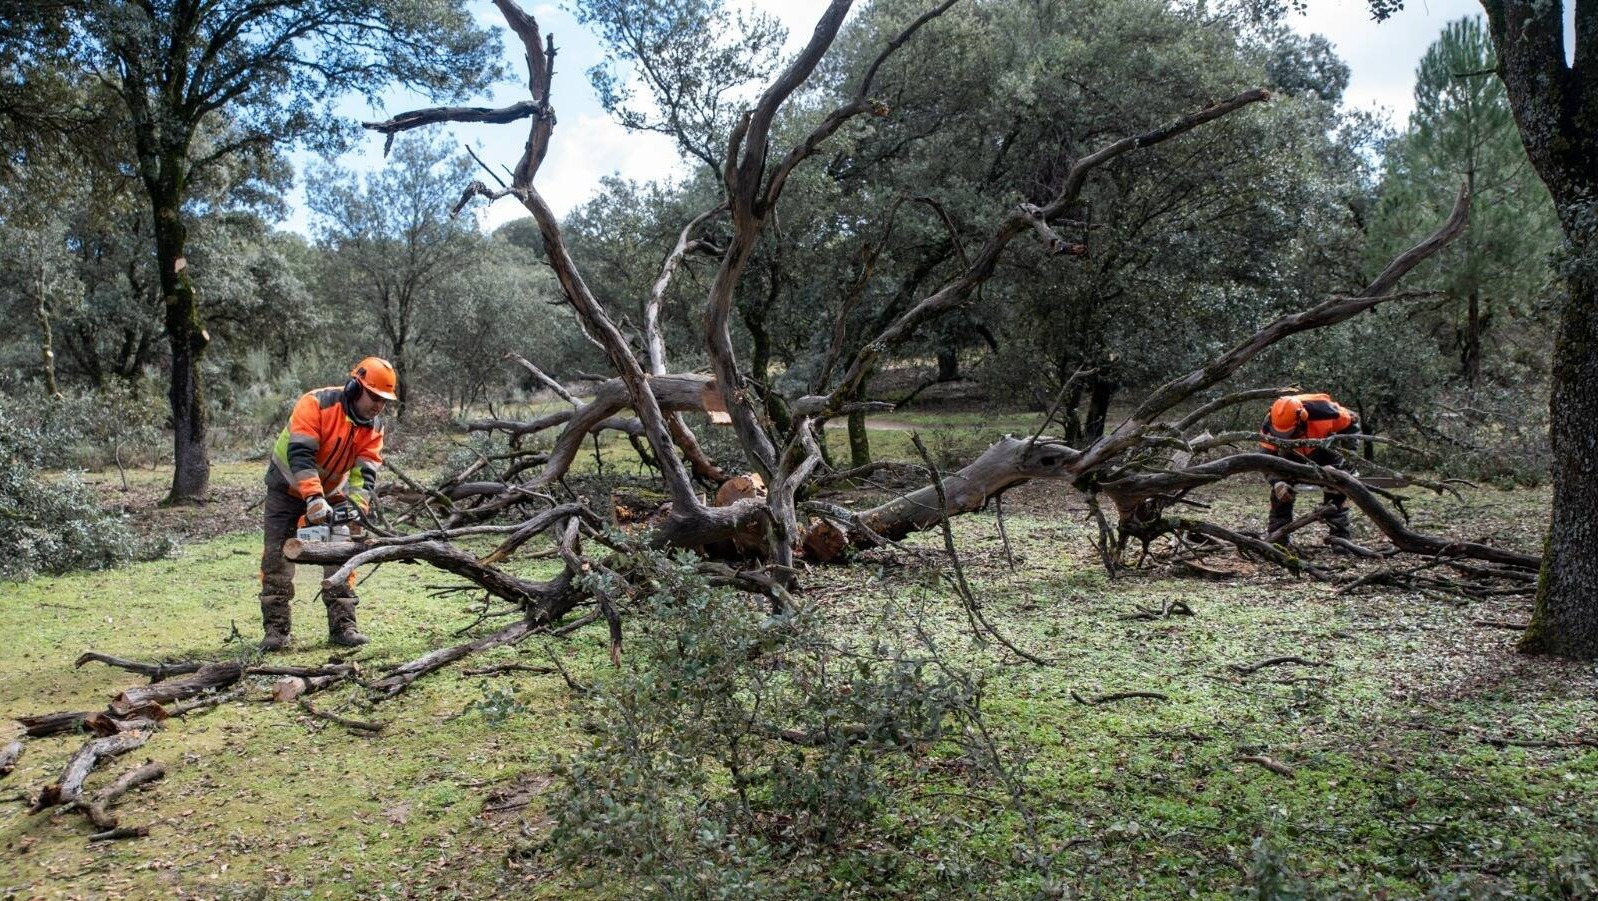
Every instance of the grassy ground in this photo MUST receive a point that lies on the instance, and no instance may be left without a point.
(1393, 789)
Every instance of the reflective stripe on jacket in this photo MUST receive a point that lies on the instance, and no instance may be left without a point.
(323, 450)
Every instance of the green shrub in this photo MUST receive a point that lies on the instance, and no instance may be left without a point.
(54, 525)
(737, 754)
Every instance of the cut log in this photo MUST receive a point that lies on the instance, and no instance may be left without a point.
(289, 688)
(8, 758)
(737, 488)
(823, 541)
(636, 509)
(210, 677)
(43, 724)
(69, 788)
(102, 723)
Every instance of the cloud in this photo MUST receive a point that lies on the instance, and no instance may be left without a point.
(1382, 56)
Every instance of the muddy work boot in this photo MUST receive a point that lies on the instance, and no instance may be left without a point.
(341, 622)
(276, 621)
(1338, 525)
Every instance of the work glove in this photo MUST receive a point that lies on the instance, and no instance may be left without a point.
(317, 510)
(1283, 491)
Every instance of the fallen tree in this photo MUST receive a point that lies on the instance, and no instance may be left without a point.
(1142, 466)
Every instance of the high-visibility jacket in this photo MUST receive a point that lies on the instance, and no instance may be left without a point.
(325, 450)
(1324, 417)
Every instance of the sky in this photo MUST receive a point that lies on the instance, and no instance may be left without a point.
(587, 145)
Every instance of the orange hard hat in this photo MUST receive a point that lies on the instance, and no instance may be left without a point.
(377, 376)
(1287, 414)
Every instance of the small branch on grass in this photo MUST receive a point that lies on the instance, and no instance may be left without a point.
(502, 668)
(1499, 624)
(1096, 700)
(203, 703)
(1004, 535)
(1245, 669)
(1275, 766)
(99, 809)
(156, 671)
(403, 675)
(571, 683)
(1502, 741)
(358, 725)
(120, 832)
(1171, 607)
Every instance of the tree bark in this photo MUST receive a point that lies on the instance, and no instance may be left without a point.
(41, 311)
(1556, 111)
(859, 440)
(1099, 406)
(8, 758)
(187, 340)
(69, 788)
(1564, 620)
(1470, 354)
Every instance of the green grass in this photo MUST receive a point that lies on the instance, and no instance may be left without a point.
(1135, 799)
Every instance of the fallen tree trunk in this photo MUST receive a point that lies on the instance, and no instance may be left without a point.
(209, 677)
(44, 724)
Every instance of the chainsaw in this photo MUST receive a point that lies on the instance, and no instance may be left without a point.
(343, 524)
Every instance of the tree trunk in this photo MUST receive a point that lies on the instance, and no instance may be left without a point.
(41, 311)
(187, 340)
(402, 365)
(859, 441)
(1556, 111)
(948, 364)
(1470, 354)
(1099, 407)
(1565, 618)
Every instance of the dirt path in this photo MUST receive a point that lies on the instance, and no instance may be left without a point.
(883, 424)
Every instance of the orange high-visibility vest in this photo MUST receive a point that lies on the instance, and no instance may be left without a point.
(323, 450)
(1322, 418)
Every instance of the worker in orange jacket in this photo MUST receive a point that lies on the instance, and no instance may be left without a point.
(1307, 417)
(327, 455)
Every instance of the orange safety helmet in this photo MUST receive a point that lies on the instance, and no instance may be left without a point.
(1287, 415)
(377, 376)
